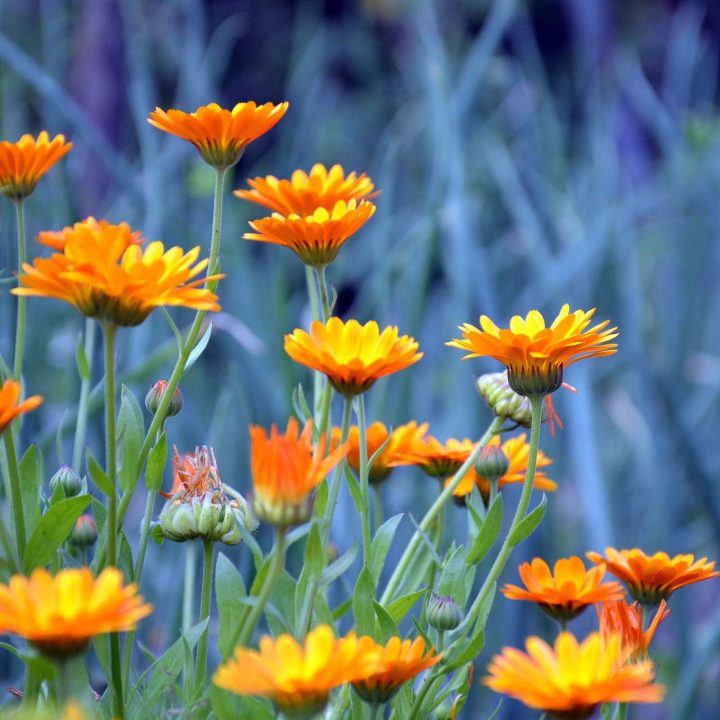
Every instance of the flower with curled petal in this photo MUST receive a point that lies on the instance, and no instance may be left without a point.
(10, 407)
(653, 578)
(619, 618)
(220, 135)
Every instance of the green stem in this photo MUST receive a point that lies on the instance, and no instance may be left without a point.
(16, 508)
(377, 497)
(187, 606)
(245, 631)
(376, 711)
(364, 484)
(82, 413)
(338, 475)
(432, 570)
(63, 683)
(22, 301)
(205, 602)
(622, 712)
(318, 377)
(324, 295)
(400, 571)
(420, 697)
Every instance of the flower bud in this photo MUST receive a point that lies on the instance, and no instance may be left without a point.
(155, 395)
(492, 463)
(85, 532)
(503, 400)
(443, 613)
(71, 483)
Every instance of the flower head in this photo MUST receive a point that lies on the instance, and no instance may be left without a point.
(105, 273)
(305, 192)
(285, 471)
(220, 135)
(299, 678)
(400, 661)
(353, 356)
(571, 679)
(437, 459)
(652, 578)
(619, 618)
(10, 408)
(122, 234)
(24, 162)
(316, 238)
(566, 591)
(59, 615)
(535, 355)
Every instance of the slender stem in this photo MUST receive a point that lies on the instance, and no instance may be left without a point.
(22, 301)
(400, 571)
(324, 295)
(16, 508)
(205, 602)
(420, 697)
(187, 606)
(376, 711)
(432, 570)
(82, 414)
(339, 471)
(63, 682)
(364, 486)
(245, 631)
(377, 496)
(536, 403)
(622, 711)
(318, 377)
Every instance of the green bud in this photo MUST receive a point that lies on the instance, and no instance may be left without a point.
(85, 532)
(443, 613)
(71, 483)
(155, 395)
(492, 463)
(503, 400)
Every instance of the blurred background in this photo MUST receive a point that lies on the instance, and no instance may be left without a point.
(529, 153)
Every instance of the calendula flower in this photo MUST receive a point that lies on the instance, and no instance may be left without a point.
(24, 162)
(298, 678)
(394, 443)
(400, 661)
(305, 192)
(316, 238)
(220, 135)
(60, 615)
(571, 679)
(535, 355)
(566, 591)
(286, 470)
(122, 234)
(10, 407)
(653, 578)
(619, 618)
(353, 356)
(437, 459)
(105, 274)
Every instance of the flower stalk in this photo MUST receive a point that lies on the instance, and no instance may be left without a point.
(205, 603)
(338, 475)
(364, 483)
(22, 301)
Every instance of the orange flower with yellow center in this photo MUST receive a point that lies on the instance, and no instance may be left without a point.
(566, 591)
(220, 135)
(619, 618)
(121, 233)
(298, 678)
(400, 661)
(394, 445)
(353, 356)
(316, 238)
(10, 408)
(535, 355)
(61, 614)
(437, 459)
(105, 273)
(24, 162)
(653, 578)
(570, 680)
(285, 471)
(305, 192)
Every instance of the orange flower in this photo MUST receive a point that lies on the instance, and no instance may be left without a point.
(353, 356)
(121, 234)
(316, 238)
(400, 661)
(535, 355)
(220, 135)
(59, 615)
(304, 192)
(396, 442)
(619, 618)
(9, 406)
(567, 591)
(299, 678)
(285, 471)
(652, 578)
(438, 460)
(23, 163)
(105, 274)
(572, 679)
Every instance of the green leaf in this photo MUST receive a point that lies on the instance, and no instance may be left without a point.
(228, 706)
(381, 545)
(314, 553)
(98, 476)
(156, 465)
(81, 360)
(354, 487)
(199, 348)
(388, 627)
(51, 532)
(300, 404)
(453, 577)
(130, 434)
(31, 473)
(341, 609)
(338, 567)
(401, 606)
(489, 530)
(528, 524)
(467, 651)
(363, 608)
(229, 591)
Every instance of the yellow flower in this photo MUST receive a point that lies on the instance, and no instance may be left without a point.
(437, 459)
(572, 679)
(653, 578)
(220, 135)
(285, 471)
(619, 618)
(316, 238)
(299, 678)
(10, 408)
(353, 356)
(103, 271)
(61, 614)
(23, 163)
(400, 662)
(305, 192)
(122, 234)
(535, 355)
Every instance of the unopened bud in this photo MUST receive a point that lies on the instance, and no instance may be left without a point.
(503, 400)
(492, 463)
(85, 532)
(71, 483)
(443, 613)
(155, 395)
